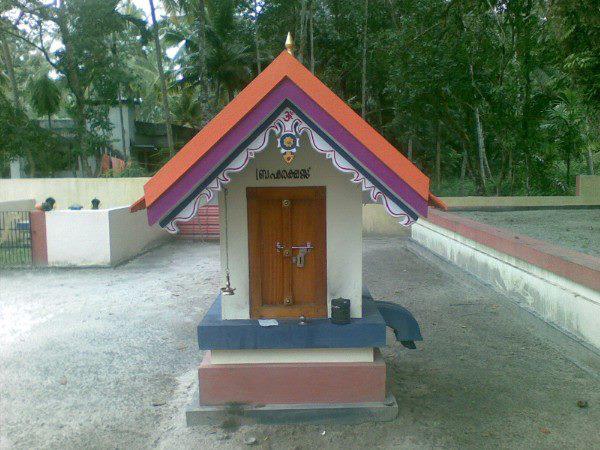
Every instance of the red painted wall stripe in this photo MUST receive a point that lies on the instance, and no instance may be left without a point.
(291, 383)
(575, 266)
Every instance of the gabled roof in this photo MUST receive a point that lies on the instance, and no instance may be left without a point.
(285, 78)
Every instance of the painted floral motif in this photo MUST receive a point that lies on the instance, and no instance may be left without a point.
(287, 128)
(289, 137)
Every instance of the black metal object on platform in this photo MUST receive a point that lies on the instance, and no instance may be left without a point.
(340, 311)
(15, 239)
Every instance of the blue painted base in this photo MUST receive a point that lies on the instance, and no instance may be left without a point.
(215, 333)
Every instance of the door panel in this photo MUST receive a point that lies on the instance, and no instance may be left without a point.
(308, 282)
(272, 287)
(280, 219)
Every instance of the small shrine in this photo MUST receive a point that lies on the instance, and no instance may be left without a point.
(293, 333)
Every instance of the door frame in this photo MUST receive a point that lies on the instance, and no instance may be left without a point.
(257, 310)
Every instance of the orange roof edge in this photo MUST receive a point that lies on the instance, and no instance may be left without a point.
(437, 202)
(138, 205)
(285, 65)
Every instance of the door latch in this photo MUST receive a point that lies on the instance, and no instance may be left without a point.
(302, 251)
(280, 247)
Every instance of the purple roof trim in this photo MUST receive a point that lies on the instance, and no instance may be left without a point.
(284, 90)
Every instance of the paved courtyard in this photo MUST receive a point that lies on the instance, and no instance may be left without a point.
(106, 358)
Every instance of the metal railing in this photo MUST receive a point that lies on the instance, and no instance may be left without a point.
(15, 239)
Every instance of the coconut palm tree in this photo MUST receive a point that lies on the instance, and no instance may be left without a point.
(163, 81)
(227, 56)
(188, 107)
(45, 96)
(565, 123)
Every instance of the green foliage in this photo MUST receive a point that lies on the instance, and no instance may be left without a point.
(23, 138)
(508, 90)
(578, 33)
(564, 124)
(45, 95)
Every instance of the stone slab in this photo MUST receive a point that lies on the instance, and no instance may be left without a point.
(336, 413)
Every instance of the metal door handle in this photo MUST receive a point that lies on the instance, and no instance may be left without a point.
(308, 247)
(302, 251)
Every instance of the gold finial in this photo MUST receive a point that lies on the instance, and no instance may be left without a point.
(289, 44)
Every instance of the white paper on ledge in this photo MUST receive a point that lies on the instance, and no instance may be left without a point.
(267, 322)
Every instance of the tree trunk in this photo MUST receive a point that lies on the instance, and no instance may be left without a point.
(487, 164)
(302, 31)
(258, 68)
(472, 169)
(480, 147)
(312, 37)
(527, 179)
(163, 81)
(590, 160)
(119, 100)
(10, 69)
(463, 170)
(438, 158)
(511, 171)
(364, 63)
(502, 173)
(569, 153)
(525, 143)
(121, 119)
(410, 149)
(202, 42)
(80, 130)
(71, 69)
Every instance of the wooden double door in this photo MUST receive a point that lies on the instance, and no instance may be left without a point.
(288, 252)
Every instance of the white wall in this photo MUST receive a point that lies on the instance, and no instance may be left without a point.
(78, 238)
(130, 234)
(122, 132)
(570, 306)
(377, 221)
(18, 205)
(98, 237)
(112, 192)
(344, 226)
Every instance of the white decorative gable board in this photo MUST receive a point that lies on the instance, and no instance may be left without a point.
(287, 128)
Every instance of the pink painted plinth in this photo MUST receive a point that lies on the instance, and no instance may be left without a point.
(292, 383)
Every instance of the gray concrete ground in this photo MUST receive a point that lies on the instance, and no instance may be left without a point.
(577, 229)
(106, 358)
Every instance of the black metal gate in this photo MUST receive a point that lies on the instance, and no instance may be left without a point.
(15, 239)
